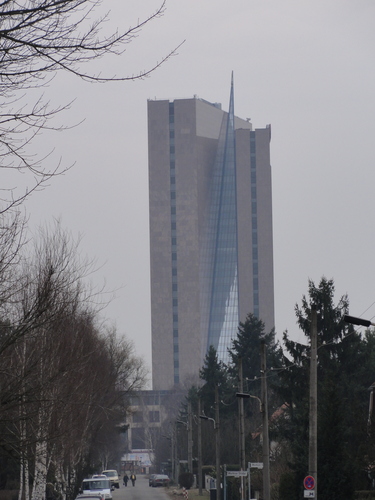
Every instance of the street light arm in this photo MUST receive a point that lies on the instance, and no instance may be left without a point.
(357, 321)
(245, 395)
(204, 417)
(182, 422)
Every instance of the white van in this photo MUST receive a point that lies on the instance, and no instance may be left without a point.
(99, 485)
(112, 476)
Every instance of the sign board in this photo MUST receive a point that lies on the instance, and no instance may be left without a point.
(309, 494)
(256, 465)
(236, 473)
(309, 483)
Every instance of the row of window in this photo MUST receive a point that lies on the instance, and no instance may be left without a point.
(173, 242)
(153, 416)
(254, 223)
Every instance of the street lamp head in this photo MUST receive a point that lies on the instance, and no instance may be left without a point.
(204, 417)
(357, 321)
(242, 395)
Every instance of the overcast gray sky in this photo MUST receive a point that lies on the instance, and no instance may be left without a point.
(304, 66)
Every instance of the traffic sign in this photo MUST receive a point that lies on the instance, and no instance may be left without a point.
(309, 494)
(256, 465)
(236, 473)
(309, 483)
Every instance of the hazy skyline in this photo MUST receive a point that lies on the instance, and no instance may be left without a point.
(305, 67)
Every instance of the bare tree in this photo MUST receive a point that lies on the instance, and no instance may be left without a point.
(38, 39)
(65, 378)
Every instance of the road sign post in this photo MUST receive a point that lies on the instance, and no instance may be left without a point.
(309, 494)
(256, 465)
(236, 473)
(309, 485)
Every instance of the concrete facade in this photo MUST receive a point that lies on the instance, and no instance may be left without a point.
(210, 232)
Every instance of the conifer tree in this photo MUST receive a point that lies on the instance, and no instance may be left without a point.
(344, 375)
(247, 347)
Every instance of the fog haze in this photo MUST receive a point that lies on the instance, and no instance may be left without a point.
(305, 67)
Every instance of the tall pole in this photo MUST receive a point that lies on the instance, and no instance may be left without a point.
(199, 448)
(266, 449)
(217, 441)
(241, 414)
(242, 426)
(190, 438)
(173, 453)
(313, 417)
(176, 458)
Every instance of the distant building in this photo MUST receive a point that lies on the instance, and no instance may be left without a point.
(147, 412)
(210, 232)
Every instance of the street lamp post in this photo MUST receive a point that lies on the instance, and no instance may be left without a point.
(266, 446)
(199, 450)
(364, 322)
(172, 441)
(266, 451)
(189, 429)
(242, 427)
(218, 475)
(313, 408)
(188, 426)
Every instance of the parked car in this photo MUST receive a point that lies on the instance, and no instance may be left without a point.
(160, 480)
(150, 479)
(112, 476)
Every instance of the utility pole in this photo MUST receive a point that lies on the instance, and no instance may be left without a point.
(242, 426)
(173, 446)
(190, 439)
(199, 448)
(313, 417)
(266, 447)
(217, 441)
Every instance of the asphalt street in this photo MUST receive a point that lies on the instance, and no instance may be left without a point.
(141, 491)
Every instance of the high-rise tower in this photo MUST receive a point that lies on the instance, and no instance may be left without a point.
(210, 232)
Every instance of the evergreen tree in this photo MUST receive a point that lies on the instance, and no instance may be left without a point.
(213, 373)
(247, 347)
(344, 375)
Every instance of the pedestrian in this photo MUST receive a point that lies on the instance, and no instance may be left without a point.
(126, 479)
(133, 478)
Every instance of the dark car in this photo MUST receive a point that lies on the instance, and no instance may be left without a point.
(150, 479)
(160, 480)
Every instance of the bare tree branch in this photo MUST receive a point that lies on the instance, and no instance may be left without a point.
(38, 39)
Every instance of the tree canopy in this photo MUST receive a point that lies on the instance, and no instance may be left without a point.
(346, 371)
(344, 375)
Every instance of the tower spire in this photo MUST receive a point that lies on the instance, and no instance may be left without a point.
(224, 310)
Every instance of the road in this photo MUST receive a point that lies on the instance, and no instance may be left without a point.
(141, 491)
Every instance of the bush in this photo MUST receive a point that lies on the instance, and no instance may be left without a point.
(8, 494)
(186, 480)
(364, 495)
(287, 486)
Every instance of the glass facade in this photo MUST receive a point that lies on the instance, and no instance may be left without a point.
(222, 252)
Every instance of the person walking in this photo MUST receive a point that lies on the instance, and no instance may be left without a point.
(126, 479)
(133, 478)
